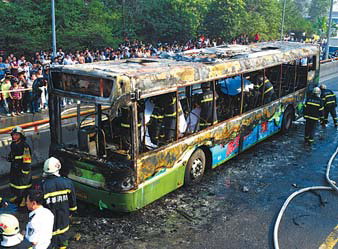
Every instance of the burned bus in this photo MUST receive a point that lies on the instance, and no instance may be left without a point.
(145, 130)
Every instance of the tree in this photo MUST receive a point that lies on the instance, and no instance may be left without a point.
(224, 18)
(319, 9)
(263, 17)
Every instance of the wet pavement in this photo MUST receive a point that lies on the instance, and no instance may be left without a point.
(234, 206)
(24, 118)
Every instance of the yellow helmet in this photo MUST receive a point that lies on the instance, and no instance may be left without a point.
(52, 165)
(9, 225)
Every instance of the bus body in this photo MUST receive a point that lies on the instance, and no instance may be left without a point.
(130, 150)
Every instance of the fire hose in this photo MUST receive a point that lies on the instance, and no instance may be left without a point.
(332, 187)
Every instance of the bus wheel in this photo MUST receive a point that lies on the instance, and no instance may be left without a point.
(287, 120)
(195, 168)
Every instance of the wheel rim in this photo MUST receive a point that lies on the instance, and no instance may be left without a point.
(196, 168)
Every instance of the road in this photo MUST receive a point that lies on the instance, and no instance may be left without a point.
(234, 206)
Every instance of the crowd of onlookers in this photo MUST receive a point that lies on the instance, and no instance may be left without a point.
(23, 84)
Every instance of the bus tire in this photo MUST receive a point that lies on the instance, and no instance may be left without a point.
(287, 120)
(195, 168)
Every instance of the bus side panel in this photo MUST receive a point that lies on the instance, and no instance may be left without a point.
(251, 139)
(221, 153)
(156, 187)
(159, 186)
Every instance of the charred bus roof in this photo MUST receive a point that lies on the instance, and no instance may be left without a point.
(152, 76)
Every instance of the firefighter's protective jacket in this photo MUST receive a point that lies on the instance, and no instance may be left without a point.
(59, 196)
(21, 159)
(329, 99)
(314, 108)
(208, 114)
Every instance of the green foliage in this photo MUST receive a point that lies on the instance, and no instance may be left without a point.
(263, 17)
(224, 18)
(26, 24)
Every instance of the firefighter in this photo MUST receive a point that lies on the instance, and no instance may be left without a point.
(156, 120)
(125, 123)
(265, 88)
(168, 133)
(208, 114)
(11, 238)
(330, 104)
(313, 113)
(20, 174)
(59, 197)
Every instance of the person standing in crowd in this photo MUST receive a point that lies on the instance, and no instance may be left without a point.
(14, 67)
(39, 229)
(313, 113)
(2, 68)
(330, 104)
(25, 96)
(11, 238)
(20, 178)
(6, 99)
(29, 93)
(36, 93)
(59, 196)
(16, 96)
(257, 38)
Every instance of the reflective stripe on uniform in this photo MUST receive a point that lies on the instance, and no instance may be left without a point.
(330, 102)
(268, 90)
(61, 231)
(56, 193)
(306, 116)
(171, 115)
(320, 109)
(20, 187)
(311, 103)
(330, 95)
(18, 157)
(173, 102)
(206, 100)
(128, 125)
(73, 209)
(26, 172)
(156, 116)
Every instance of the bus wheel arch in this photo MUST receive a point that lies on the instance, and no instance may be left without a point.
(288, 118)
(195, 168)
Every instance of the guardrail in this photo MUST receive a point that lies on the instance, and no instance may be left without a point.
(43, 121)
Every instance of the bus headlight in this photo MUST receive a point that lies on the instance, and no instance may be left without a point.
(127, 183)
